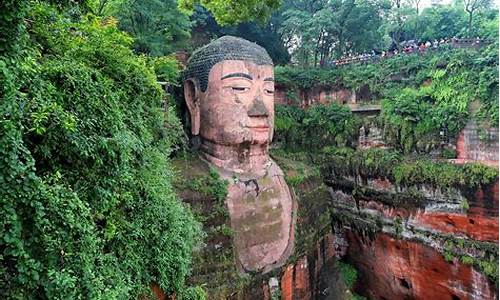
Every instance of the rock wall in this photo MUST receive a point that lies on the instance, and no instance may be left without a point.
(406, 242)
(392, 268)
(319, 95)
(477, 143)
(314, 276)
(311, 273)
(418, 242)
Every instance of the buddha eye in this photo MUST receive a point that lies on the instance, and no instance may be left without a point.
(239, 89)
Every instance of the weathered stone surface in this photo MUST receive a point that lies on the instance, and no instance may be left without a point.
(398, 269)
(287, 283)
(315, 95)
(370, 137)
(261, 218)
(314, 276)
(478, 222)
(434, 209)
(398, 244)
(478, 144)
(302, 287)
(477, 228)
(229, 92)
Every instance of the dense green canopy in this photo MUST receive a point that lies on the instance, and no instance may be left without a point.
(86, 206)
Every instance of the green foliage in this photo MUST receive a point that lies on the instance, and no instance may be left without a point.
(166, 69)
(266, 34)
(316, 127)
(379, 163)
(441, 21)
(210, 185)
(465, 205)
(296, 165)
(349, 274)
(489, 268)
(448, 153)
(330, 125)
(213, 263)
(448, 256)
(193, 293)
(426, 99)
(234, 11)
(321, 30)
(398, 225)
(372, 162)
(316, 32)
(478, 174)
(484, 255)
(158, 27)
(276, 294)
(430, 172)
(467, 260)
(87, 206)
(12, 26)
(414, 122)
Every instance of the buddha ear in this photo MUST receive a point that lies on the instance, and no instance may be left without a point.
(192, 96)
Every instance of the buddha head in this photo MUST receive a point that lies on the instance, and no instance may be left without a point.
(229, 92)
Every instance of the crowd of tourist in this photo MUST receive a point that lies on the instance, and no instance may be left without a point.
(406, 47)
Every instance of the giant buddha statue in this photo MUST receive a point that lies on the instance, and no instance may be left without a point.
(229, 92)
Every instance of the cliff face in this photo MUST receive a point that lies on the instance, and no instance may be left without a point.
(477, 143)
(418, 242)
(394, 268)
(413, 242)
(320, 95)
(479, 222)
(311, 272)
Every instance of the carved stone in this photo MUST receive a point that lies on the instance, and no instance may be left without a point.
(229, 92)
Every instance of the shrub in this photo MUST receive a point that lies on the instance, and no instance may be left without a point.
(317, 127)
(448, 153)
(380, 163)
(425, 99)
(86, 206)
(349, 274)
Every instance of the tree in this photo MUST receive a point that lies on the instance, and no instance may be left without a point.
(471, 6)
(158, 27)
(442, 21)
(104, 8)
(232, 12)
(319, 30)
(87, 208)
(205, 28)
(396, 21)
(487, 26)
(416, 4)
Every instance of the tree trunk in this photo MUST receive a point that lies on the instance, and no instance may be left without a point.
(416, 26)
(317, 48)
(470, 24)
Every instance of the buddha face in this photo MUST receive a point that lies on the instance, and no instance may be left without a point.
(238, 105)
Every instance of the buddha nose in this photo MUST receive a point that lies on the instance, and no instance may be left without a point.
(257, 108)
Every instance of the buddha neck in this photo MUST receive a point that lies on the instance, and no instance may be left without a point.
(244, 158)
